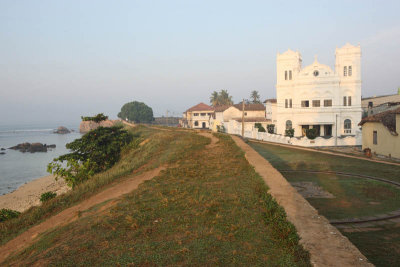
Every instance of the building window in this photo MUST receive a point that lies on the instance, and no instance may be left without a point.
(305, 104)
(344, 101)
(316, 103)
(370, 104)
(286, 103)
(196, 123)
(195, 114)
(375, 138)
(288, 124)
(285, 74)
(345, 71)
(350, 70)
(290, 74)
(349, 100)
(202, 114)
(290, 103)
(347, 126)
(328, 103)
(245, 113)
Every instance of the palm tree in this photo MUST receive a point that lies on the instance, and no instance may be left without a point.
(220, 98)
(214, 99)
(255, 97)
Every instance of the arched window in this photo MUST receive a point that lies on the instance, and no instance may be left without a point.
(196, 123)
(288, 124)
(350, 70)
(290, 74)
(347, 126)
(345, 71)
(285, 74)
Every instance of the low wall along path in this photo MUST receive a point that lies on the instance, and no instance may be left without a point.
(327, 246)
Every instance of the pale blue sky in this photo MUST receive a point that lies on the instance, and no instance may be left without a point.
(63, 59)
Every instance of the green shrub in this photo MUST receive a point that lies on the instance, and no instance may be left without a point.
(220, 128)
(311, 133)
(7, 214)
(259, 127)
(47, 196)
(271, 128)
(97, 151)
(98, 118)
(289, 132)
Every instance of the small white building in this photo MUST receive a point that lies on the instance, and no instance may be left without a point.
(197, 117)
(231, 116)
(270, 110)
(317, 96)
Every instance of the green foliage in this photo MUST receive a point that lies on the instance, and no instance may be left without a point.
(289, 132)
(220, 98)
(255, 97)
(7, 214)
(96, 151)
(98, 118)
(259, 127)
(137, 112)
(220, 128)
(271, 128)
(47, 196)
(311, 133)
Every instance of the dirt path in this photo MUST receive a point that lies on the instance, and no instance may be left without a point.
(214, 139)
(326, 152)
(28, 237)
(327, 246)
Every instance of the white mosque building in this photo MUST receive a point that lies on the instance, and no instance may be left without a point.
(317, 96)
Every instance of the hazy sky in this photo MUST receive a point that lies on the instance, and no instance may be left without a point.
(63, 59)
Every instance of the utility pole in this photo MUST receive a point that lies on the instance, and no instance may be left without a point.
(243, 118)
(167, 118)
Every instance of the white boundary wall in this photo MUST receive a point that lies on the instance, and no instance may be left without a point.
(234, 127)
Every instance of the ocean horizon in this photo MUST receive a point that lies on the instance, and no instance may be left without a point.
(18, 168)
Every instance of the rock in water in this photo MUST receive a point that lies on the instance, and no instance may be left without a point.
(62, 130)
(2, 153)
(28, 147)
(2, 149)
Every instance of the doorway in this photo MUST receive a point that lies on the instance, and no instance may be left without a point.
(203, 125)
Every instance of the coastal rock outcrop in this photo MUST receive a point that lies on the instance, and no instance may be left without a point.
(32, 148)
(87, 126)
(62, 130)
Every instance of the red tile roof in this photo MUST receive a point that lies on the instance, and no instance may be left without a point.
(387, 118)
(250, 107)
(200, 107)
(221, 108)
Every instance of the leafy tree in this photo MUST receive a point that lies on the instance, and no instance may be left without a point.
(98, 118)
(220, 98)
(96, 151)
(255, 97)
(137, 112)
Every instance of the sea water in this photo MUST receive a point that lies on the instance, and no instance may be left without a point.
(17, 168)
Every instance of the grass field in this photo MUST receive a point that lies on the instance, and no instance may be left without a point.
(208, 208)
(354, 197)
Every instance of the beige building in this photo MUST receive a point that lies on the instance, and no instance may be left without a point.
(380, 133)
(197, 117)
(227, 116)
(378, 104)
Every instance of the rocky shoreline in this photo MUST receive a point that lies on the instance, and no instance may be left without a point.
(32, 147)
